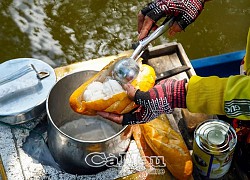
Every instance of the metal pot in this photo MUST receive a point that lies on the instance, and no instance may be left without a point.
(75, 155)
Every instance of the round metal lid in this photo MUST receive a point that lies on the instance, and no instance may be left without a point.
(215, 136)
(24, 86)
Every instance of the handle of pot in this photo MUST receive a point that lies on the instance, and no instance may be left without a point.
(145, 42)
(15, 75)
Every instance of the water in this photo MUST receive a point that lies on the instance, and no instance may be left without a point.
(62, 32)
(90, 129)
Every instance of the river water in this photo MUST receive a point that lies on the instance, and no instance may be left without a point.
(61, 32)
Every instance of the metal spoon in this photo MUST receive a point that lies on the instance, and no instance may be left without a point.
(127, 69)
(21, 72)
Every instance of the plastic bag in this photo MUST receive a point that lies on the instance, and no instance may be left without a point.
(164, 141)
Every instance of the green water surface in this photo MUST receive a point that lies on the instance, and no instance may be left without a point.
(61, 32)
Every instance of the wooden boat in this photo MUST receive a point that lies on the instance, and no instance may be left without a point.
(222, 65)
(17, 164)
(171, 60)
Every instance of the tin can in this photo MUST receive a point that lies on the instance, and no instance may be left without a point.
(213, 148)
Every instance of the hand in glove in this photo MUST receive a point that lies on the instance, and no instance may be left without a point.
(162, 98)
(184, 11)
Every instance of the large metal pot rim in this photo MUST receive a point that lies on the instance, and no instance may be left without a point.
(72, 138)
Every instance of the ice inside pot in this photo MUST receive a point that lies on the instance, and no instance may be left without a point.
(89, 129)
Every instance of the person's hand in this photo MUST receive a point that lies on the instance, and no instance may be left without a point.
(117, 118)
(184, 11)
(162, 98)
(130, 89)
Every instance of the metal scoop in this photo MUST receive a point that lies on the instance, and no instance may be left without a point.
(127, 69)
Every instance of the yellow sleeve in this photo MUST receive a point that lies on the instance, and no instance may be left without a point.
(206, 94)
(222, 96)
(247, 55)
(237, 97)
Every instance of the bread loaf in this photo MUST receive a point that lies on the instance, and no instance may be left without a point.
(164, 141)
(102, 93)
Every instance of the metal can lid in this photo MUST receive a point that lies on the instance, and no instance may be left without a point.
(215, 136)
(24, 86)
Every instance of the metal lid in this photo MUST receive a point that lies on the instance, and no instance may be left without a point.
(215, 136)
(24, 86)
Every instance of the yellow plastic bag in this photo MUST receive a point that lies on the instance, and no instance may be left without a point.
(166, 142)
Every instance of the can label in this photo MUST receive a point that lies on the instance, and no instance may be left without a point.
(213, 148)
(211, 166)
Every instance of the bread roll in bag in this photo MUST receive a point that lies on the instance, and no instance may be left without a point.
(116, 103)
(165, 141)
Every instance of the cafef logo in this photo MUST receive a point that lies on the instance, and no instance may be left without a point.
(100, 159)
